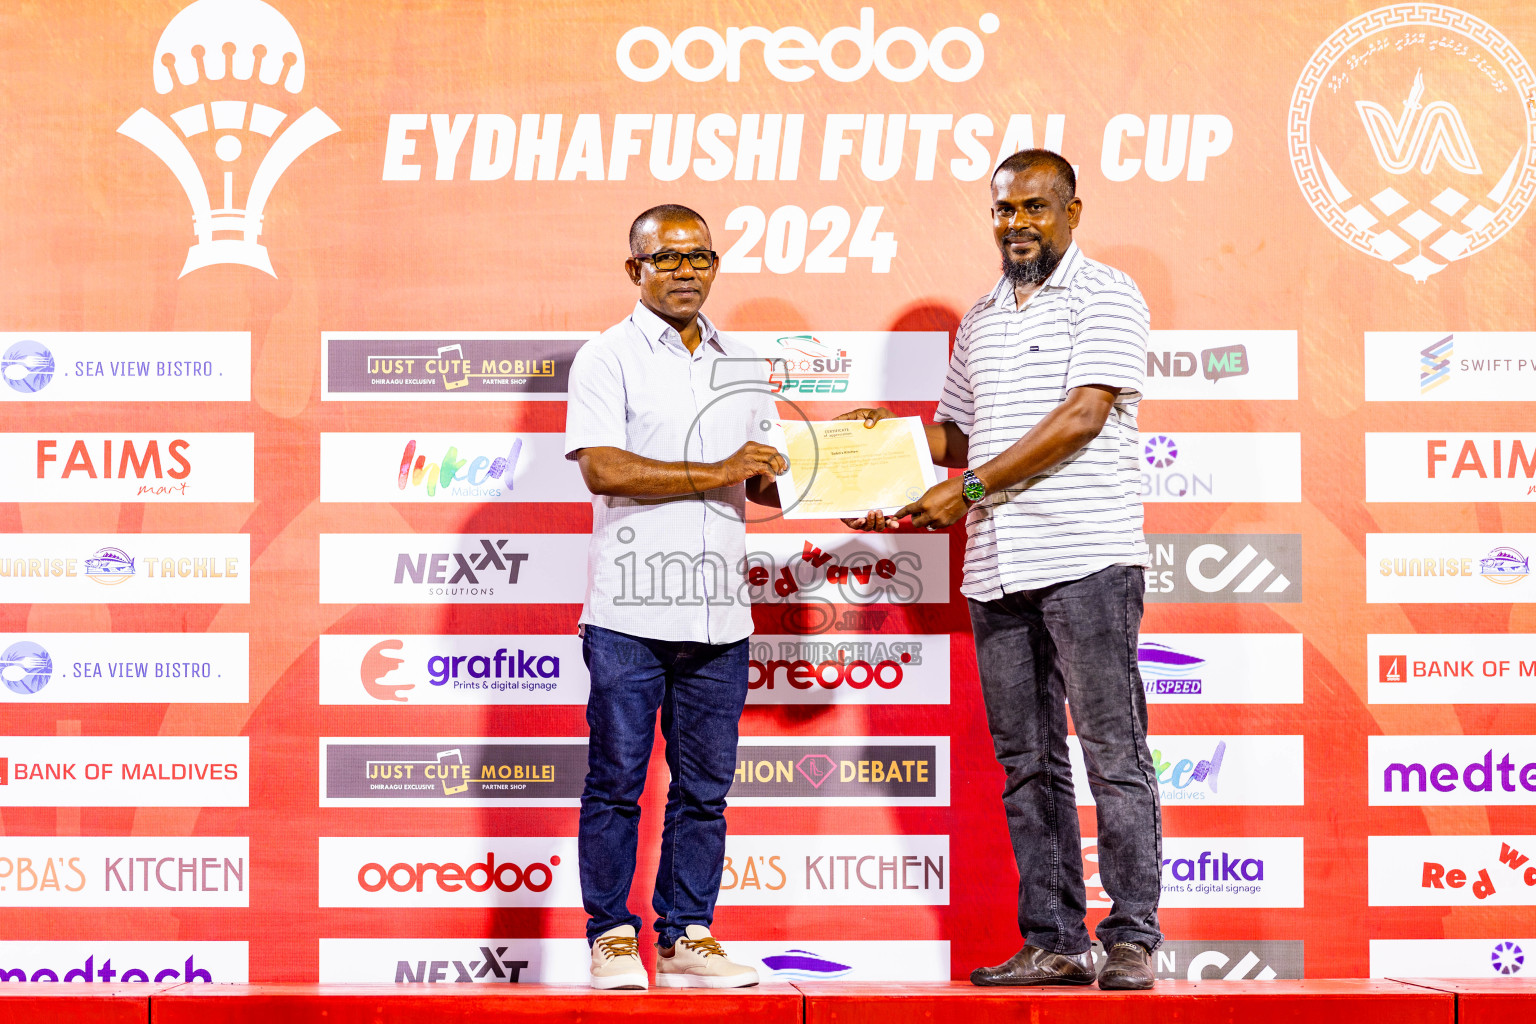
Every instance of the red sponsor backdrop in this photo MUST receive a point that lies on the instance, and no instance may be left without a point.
(96, 232)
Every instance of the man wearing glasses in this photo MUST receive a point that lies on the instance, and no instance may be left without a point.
(671, 461)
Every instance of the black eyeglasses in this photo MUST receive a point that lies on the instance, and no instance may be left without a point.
(699, 259)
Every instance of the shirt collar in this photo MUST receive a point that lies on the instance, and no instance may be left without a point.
(655, 330)
(1061, 277)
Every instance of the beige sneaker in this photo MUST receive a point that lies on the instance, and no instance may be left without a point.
(697, 961)
(616, 960)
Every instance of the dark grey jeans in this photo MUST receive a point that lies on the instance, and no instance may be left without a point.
(1076, 641)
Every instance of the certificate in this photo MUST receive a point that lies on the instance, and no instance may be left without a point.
(842, 469)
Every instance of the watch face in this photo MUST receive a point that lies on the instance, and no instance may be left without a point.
(975, 490)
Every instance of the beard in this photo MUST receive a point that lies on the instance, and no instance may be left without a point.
(1031, 270)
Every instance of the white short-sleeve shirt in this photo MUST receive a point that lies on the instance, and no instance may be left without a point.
(669, 568)
(1010, 367)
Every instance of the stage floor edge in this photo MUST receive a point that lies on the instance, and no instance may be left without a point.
(1360, 1001)
(1487, 1000)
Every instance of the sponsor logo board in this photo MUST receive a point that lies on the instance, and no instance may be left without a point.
(72, 467)
(124, 771)
(855, 366)
(124, 871)
(1460, 366)
(1426, 157)
(1185, 467)
(124, 668)
(550, 568)
(1221, 365)
(140, 568)
(1450, 467)
(436, 568)
(1451, 668)
(1448, 568)
(448, 871)
(836, 870)
(1192, 960)
(567, 961)
(1451, 958)
(69, 961)
(447, 468)
(1468, 770)
(429, 366)
(1221, 668)
(1214, 771)
(460, 669)
(358, 772)
(841, 771)
(888, 669)
(1452, 871)
(125, 366)
(455, 961)
(1227, 568)
(1229, 872)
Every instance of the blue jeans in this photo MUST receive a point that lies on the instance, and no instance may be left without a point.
(700, 690)
(1074, 640)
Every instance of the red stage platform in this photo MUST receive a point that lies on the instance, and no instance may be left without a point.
(471, 1004)
(1488, 1001)
(41, 1002)
(1359, 1001)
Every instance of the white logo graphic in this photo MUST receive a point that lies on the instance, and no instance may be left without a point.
(1399, 143)
(1438, 205)
(211, 40)
(1212, 584)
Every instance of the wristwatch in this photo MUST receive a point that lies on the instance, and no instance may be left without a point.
(974, 490)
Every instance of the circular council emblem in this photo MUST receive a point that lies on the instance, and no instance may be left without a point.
(1412, 133)
(1504, 566)
(109, 566)
(25, 667)
(27, 367)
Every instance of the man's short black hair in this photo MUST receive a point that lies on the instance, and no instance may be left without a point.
(1028, 159)
(666, 211)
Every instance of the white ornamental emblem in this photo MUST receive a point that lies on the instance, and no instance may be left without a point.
(222, 53)
(1413, 135)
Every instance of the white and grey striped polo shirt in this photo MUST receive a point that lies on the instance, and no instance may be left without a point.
(1086, 325)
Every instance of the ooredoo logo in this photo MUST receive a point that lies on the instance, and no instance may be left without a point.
(898, 54)
(228, 41)
(1412, 137)
(829, 675)
(448, 871)
(447, 876)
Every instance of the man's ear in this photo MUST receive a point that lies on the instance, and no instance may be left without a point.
(1074, 212)
(632, 267)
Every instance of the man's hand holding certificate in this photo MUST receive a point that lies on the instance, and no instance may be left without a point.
(842, 469)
